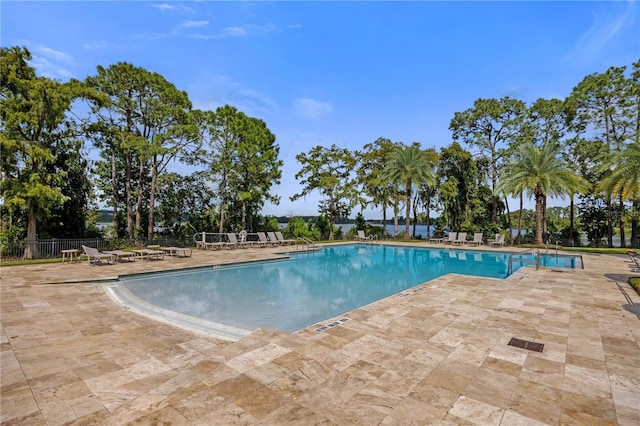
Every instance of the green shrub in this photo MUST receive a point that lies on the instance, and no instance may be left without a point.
(635, 283)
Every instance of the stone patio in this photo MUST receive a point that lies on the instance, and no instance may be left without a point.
(435, 354)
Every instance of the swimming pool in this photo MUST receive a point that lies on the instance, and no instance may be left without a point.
(305, 289)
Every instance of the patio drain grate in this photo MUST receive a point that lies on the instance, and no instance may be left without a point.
(333, 324)
(525, 344)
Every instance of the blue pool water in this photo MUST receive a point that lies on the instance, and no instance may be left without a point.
(311, 287)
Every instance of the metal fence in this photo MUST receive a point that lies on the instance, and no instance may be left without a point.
(52, 248)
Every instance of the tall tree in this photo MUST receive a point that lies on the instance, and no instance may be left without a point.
(330, 172)
(622, 177)
(371, 163)
(257, 168)
(603, 108)
(540, 170)
(147, 122)
(457, 173)
(242, 158)
(490, 126)
(35, 122)
(409, 166)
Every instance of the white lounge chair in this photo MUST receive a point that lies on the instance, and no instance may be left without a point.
(244, 240)
(148, 254)
(362, 237)
(177, 251)
(93, 254)
(498, 241)
(450, 238)
(233, 241)
(282, 239)
(477, 239)
(273, 239)
(264, 241)
(121, 254)
(461, 238)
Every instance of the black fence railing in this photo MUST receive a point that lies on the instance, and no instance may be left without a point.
(52, 248)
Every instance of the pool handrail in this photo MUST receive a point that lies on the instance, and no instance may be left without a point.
(534, 251)
(311, 245)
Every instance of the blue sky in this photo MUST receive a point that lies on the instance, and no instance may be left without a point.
(333, 72)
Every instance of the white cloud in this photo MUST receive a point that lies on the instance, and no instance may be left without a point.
(193, 24)
(234, 32)
(163, 6)
(605, 26)
(311, 108)
(53, 54)
(175, 7)
(49, 62)
(222, 90)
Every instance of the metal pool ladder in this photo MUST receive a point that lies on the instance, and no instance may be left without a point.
(519, 258)
(311, 245)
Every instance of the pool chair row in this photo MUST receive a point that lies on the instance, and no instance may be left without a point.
(245, 240)
(93, 255)
(460, 238)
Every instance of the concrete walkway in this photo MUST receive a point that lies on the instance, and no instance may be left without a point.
(435, 354)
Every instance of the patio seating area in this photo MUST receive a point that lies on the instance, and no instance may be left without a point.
(439, 354)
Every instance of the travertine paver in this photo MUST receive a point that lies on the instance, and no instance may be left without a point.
(70, 355)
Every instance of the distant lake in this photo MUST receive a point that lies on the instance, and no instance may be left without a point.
(420, 229)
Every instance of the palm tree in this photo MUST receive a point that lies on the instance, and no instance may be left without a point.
(539, 170)
(623, 178)
(409, 165)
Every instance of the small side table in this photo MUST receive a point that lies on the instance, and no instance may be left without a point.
(70, 254)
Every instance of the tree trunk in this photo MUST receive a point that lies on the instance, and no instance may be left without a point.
(114, 195)
(31, 249)
(129, 196)
(506, 203)
(539, 196)
(520, 218)
(415, 216)
(634, 224)
(623, 242)
(395, 219)
(222, 209)
(407, 219)
(572, 223)
(545, 232)
(138, 227)
(244, 214)
(384, 219)
(428, 217)
(152, 201)
(609, 224)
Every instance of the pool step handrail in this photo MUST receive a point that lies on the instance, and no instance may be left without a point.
(534, 251)
(311, 245)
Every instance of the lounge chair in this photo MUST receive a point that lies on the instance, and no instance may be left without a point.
(244, 241)
(436, 240)
(477, 239)
(93, 254)
(121, 254)
(450, 238)
(263, 241)
(177, 251)
(273, 239)
(233, 241)
(460, 239)
(635, 267)
(498, 241)
(362, 237)
(283, 240)
(148, 254)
